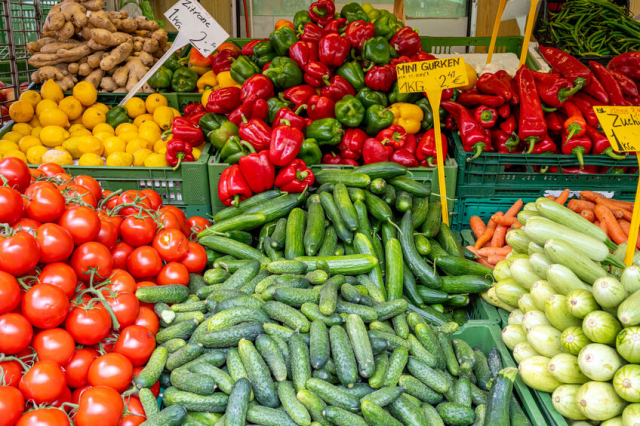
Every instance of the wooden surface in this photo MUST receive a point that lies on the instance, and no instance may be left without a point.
(219, 9)
(635, 7)
(487, 16)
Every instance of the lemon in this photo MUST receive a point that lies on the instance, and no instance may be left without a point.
(52, 136)
(63, 149)
(76, 121)
(35, 153)
(141, 119)
(102, 107)
(85, 92)
(71, 145)
(23, 128)
(126, 127)
(150, 131)
(135, 107)
(31, 96)
(27, 142)
(81, 132)
(103, 136)
(36, 131)
(90, 160)
(16, 154)
(103, 127)
(114, 144)
(163, 116)
(21, 111)
(154, 101)
(57, 157)
(12, 136)
(160, 146)
(176, 113)
(90, 144)
(155, 160)
(139, 157)
(75, 127)
(128, 136)
(136, 144)
(6, 146)
(44, 105)
(54, 117)
(34, 122)
(196, 153)
(92, 117)
(52, 91)
(71, 106)
(120, 159)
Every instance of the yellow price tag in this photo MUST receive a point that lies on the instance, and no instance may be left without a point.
(433, 77)
(622, 127)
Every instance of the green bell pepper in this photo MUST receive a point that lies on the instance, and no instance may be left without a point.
(373, 13)
(326, 131)
(263, 53)
(217, 129)
(161, 79)
(387, 25)
(117, 115)
(184, 80)
(368, 97)
(275, 105)
(174, 62)
(282, 39)
(353, 73)
(349, 111)
(427, 121)
(377, 118)
(377, 50)
(395, 96)
(242, 68)
(354, 12)
(310, 152)
(300, 18)
(233, 150)
(284, 73)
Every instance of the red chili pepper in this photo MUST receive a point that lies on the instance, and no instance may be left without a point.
(406, 41)
(585, 104)
(295, 177)
(247, 49)
(427, 152)
(233, 187)
(352, 144)
(627, 63)
(422, 56)
(292, 118)
(322, 11)
(511, 83)
(299, 95)
(380, 77)
(333, 50)
(411, 143)
(475, 138)
(375, 151)
(601, 145)
(223, 100)
(359, 31)
(486, 116)
(575, 125)
(192, 109)
(633, 101)
(319, 107)
(256, 132)
(187, 132)
(337, 26)
(337, 88)
(596, 89)
(628, 86)
(565, 64)
(589, 169)
(611, 85)
(311, 32)
(555, 90)
(504, 111)
(258, 170)
(577, 145)
(531, 126)
(303, 52)
(555, 122)
(489, 84)
(316, 74)
(258, 108)
(503, 142)
(223, 60)
(544, 146)
(473, 98)
(394, 135)
(177, 152)
(257, 86)
(331, 158)
(509, 125)
(405, 158)
(286, 142)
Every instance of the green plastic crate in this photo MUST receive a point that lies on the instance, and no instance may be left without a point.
(480, 312)
(504, 317)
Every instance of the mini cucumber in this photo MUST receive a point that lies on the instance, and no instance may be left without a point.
(170, 416)
(238, 404)
(164, 312)
(363, 245)
(347, 177)
(387, 310)
(423, 272)
(329, 242)
(423, 245)
(382, 364)
(183, 355)
(234, 365)
(452, 363)
(384, 170)
(312, 311)
(181, 330)
(186, 316)
(151, 372)
(342, 353)
(314, 232)
(366, 313)
(257, 371)
(453, 413)
(416, 388)
(384, 396)
(374, 291)
(191, 382)
(215, 276)
(431, 225)
(345, 206)
(328, 298)
(234, 248)
(419, 211)
(272, 355)
(235, 316)
(404, 201)
(481, 369)
(148, 401)
(359, 390)
(215, 403)
(314, 404)
(463, 352)
(291, 405)
(270, 292)
(357, 332)
(296, 297)
(245, 205)
(397, 362)
(230, 336)
(391, 338)
(375, 415)
(272, 253)
(247, 301)
(319, 344)
(223, 380)
(378, 186)
(401, 326)
(389, 196)
(429, 340)
(364, 226)
(277, 207)
(382, 326)
(241, 276)
(317, 277)
(339, 416)
(287, 315)
(349, 264)
(299, 361)
(462, 390)
(356, 194)
(294, 245)
(172, 293)
(408, 412)
(350, 293)
(333, 395)
(427, 375)
(417, 350)
(200, 306)
(333, 213)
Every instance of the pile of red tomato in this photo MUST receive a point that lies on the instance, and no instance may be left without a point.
(72, 332)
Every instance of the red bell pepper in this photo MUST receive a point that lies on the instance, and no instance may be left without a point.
(404, 157)
(186, 131)
(333, 50)
(504, 143)
(555, 90)
(257, 108)
(628, 86)
(489, 84)
(193, 108)
(585, 104)
(316, 74)
(601, 145)
(544, 146)
(247, 49)
(611, 85)
(223, 100)
(426, 152)
(473, 98)
(375, 151)
(422, 56)
(555, 122)
(286, 142)
(486, 116)
(352, 143)
(575, 125)
(509, 125)
(294, 178)
(177, 152)
(531, 126)
(380, 78)
(504, 111)
(303, 52)
(256, 132)
(394, 135)
(311, 32)
(627, 63)
(511, 83)
(223, 60)
(359, 31)
(233, 187)
(257, 86)
(400, 60)
(565, 64)
(337, 88)
(475, 138)
(406, 41)
(411, 143)
(337, 26)
(333, 158)
(322, 12)
(577, 145)
(258, 171)
(291, 117)
(299, 95)
(450, 123)
(319, 107)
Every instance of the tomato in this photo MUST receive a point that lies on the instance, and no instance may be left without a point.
(122, 281)
(137, 201)
(56, 243)
(173, 273)
(153, 197)
(82, 223)
(77, 370)
(50, 169)
(56, 345)
(61, 178)
(133, 406)
(35, 174)
(148, 319)
(19, 253)
(15, 333)
(196, 224)
(88, 326)
(77, 393)
(27, 225)
(136, 343)
(169, 220)
(44, 382)
(37, 185)
(107, 344)
(155, 388)
(9, 293)
(16, 173)
(12, 372)
(10, 205)
(120, 254)
(60, 275)
(125, 306)
(45, 306)
(108, 235)
(171, 245)
(92, 255)
(77, 195)
(113, 370)
(138, 231)
(90, 183)
(182, 218)
(99, 405)
(65, 397)
(144, 262)
(11, 405)
(44, 417)
(46, 204)
(196, 258)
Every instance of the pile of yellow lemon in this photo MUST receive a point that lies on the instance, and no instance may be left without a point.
(52, 128)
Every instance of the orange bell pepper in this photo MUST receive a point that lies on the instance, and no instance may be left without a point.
(227, 46)
(199, 63)
(284, 23)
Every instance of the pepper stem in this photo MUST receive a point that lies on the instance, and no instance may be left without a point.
(579, 152)
(512, 143)
(300, 109)
(325, 78)
(247, 145)
(544, 169)
(180, 156)
(301, 175)
(609, 151)
(285, 122)
(574, 128)
(478, 148)
(431, 161)
(486, 116)
(565, 93)
(531, 140)
(547, 108)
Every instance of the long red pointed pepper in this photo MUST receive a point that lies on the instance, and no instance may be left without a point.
(486, 116)
(531, 126)
(577, 145)
(475, 138)
(575, 125)
(490, 84)
(601, 145)
(555, 90)
(611, 85)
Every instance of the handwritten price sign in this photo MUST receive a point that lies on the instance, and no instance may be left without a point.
(442, 74)
(621, 125)
(193, 21)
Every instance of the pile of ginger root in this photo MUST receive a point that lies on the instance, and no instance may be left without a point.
(80, 41)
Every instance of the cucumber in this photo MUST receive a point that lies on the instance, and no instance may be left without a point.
(404, 201)
(395, 267)
(195, 418)
(374, 291)
(481, 369)
(412, 258)
(299, 282)
(214, 403)
(315, 231)
(393, 340)
(215, 276)
(317, 277)
(495, 362)
(377, 208)
(341, 417)
(401, 326)
(235, 316)
(463, 352)
(462, 391)
(266, 231)
(268, 416)
(246, 301)
(195, 282)
(381, 362)
(452, 363)
(427, 375)
(230, 336)
(299, 360)
(448, 241)
(379, 250)
(375, 415)
(419, 211)
(241, 236)
(366, 313)
(199, 306)
(291, 405)
(222, 380)
(234, 248)
(191, 382)
(294, 245)
(423, 245)
(287, 315)
(151, 372)
(432, 415)
(478, 396)
(420, 352)
(456, 414)
(241, 222)
(314, 404)
(350, 293)
(363, 245)
(384, 396)
(432, 296)
(270, 352)
(345, 206)
(408, 412)
(364, 225)
(348, 265)
(334, 215)
(389, 196)
(397, 363)
(500, 396)
(287, 267)
(384, 170)
(328, 297)
(387, 310)
(277, 207)
(181, 330)
(245, 205)
(409, 286)
(241, 276)
(170, 416)
(416, 388)
(325, 187)
(457, 266)
(343, 355)
(381, 326)
(357, 332)
(409, 185)
(275, 330)
(172, 293)
(257, 371)
(346, 177)
(279, 234)
(312, 311)
(297, 297)
(356, 194)
(379, 346)
(333, 395)
(377, 186)
(238, 404)
(465, 284)
(234, 365)
(149, 402)
(466, 371)
(183, 355)
(431, 225)
(432, 316)
(318, 344)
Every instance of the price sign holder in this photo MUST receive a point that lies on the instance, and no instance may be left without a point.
(433, 77)
(527, 34)
(196, 27)
(622, 127)
(496, 28)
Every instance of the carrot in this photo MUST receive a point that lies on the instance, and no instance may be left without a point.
(626, 228)
(603, 225)
(494, 251)
(493, 260)
(473, 250)
(615, 232)
(497, 240)
(485, 263)
(622, 214)
(580, 205)
(562, 198)
(551, 197)
(488, 234)
(627, 205)
(612, 204)
(597, 223)
(590, 196)
(588, 214)
(516, 225)
(477, 226)
(504, 220)
(514, 209)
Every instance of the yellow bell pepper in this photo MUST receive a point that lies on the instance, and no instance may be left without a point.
(225, 80)
(205, 97)
(207, 79)
(408, 116)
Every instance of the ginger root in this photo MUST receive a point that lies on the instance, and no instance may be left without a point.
(107, 84)
(99, 19)
(116, 56)
(95, 77)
